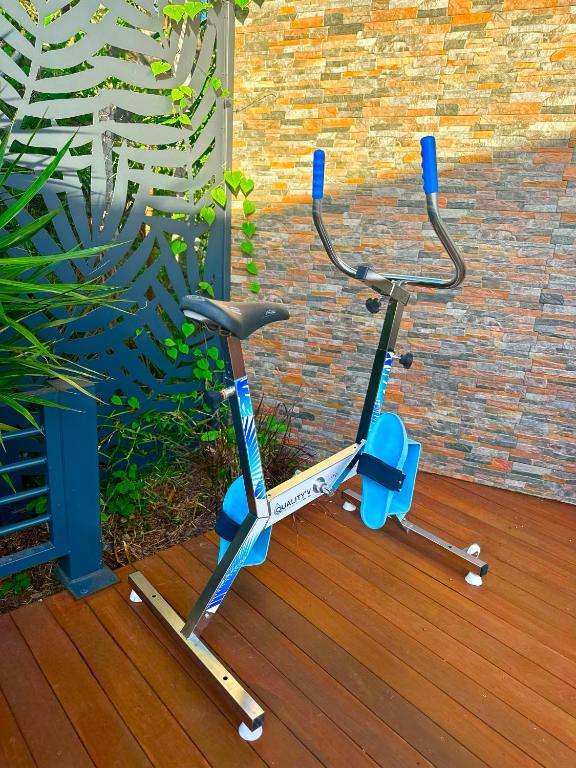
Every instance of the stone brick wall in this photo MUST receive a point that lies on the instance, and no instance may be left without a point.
(491, 394)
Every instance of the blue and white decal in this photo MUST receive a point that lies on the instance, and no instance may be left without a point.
(237, 563)
(386, 368)
(250, 436)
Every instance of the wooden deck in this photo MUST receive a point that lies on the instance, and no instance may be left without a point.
(363, 649)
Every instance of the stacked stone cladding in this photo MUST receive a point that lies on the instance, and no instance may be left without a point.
(491, 392)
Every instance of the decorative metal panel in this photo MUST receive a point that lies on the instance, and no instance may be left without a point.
(82, 69)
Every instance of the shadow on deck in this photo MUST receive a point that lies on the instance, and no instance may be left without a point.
(363, 649)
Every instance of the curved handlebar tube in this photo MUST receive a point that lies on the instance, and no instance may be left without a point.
(430, 181)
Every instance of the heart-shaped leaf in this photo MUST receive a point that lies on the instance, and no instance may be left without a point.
(213, 353)
(158, 67)
(193, 9)
(172, 352)
(254, 287)
(219, 196)
(178, 246)
(186, 90)
(169, 342)
(242, 3)
(248, 207)
(206, 287)
(246, 185)
(116, 400)
(184, 120)
(175, 12)
(252, 268)
(225, 93)
(216, 83)
(208, 214)
(247, 247)
(176, 94)
(233, 179)
(133, 402)
(188, 329)
(248, 228)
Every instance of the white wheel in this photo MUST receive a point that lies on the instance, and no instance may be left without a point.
(347, 506)
(134, 597)
(474, 550)
(249, 735)
(474, 579)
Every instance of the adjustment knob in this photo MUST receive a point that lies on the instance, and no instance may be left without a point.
(373, 305)
(406, 360)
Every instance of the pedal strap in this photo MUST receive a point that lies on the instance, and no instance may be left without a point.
(225, 527)
(384, 474)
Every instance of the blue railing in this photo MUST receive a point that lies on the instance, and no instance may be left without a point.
(68, 473)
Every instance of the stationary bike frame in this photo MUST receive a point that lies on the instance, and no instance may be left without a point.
(267, 507)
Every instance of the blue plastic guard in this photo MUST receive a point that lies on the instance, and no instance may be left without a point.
(318, 175)
(429, 167)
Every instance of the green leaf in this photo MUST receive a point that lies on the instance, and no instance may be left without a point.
(178, 246)
(186, 90)
(203, 364)
(169, 342)
(243, 4)
(137, 332)
(255, 287)
(188, 329)
(252, 268)
(204, 286)
(158, 67)
(225, 92)
(183, 348)
(184, 119)
(246, 185)
(197, 352)
(249, 228)
(176, 94)
(212, 434)
(175, 12)
(219, 196)
(248, 207)
(133, 402)
(208, 214)
(220, 364)
(193, 9)
(116, 400)
(216, 83)
(172, 353)
(213, 352)
(233, 179)
(247, 247)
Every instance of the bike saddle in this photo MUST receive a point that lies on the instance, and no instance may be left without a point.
(240, 319)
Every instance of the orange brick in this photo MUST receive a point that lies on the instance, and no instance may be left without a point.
(456, 7)
(394, 14)
(465, 19)
(563, 53)
(310, 21)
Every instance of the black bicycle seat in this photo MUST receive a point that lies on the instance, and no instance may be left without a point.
(240, 319)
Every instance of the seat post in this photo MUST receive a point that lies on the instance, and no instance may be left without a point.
(245, 429)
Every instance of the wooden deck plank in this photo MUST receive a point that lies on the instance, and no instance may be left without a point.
(14, 752)
(162, 738)
(483, 715)
(490, 514)
(368, 731)
(104, 734)
(498, 700)
(216, 738)
(49, 734)
(280, 748)
(324, 739)
(366, 648)
(425, 560)
(505, 646)
(473, 653)
(408, 721)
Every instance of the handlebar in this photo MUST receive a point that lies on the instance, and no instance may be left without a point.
(430, 184)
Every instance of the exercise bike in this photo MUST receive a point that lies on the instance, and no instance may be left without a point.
(383, 455)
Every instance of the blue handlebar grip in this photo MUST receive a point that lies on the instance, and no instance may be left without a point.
(429, 167)
(318, 175)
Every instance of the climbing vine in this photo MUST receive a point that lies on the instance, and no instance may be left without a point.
(183, 102)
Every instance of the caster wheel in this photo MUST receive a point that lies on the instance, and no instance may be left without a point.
(134, 598)
(474, 579)
(474, 550)
(347, 506)
(249, 735)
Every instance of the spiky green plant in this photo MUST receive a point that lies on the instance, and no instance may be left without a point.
(32, 300)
